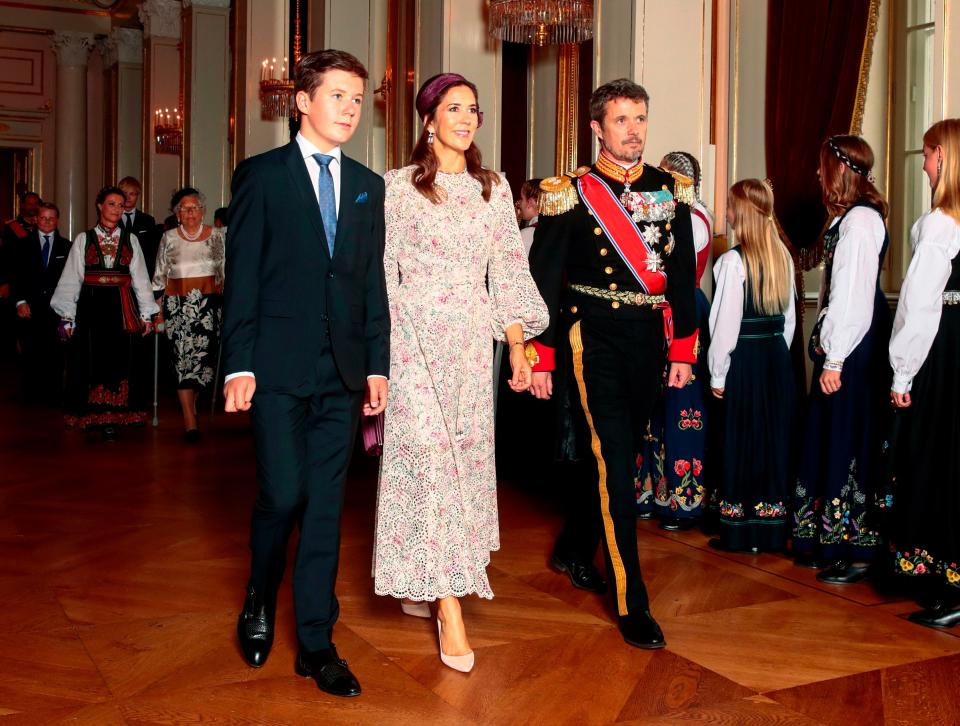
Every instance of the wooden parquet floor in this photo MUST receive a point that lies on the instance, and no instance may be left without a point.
(122, 568)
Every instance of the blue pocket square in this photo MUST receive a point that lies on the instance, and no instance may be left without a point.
(361, 198)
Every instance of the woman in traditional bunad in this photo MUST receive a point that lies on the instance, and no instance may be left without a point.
(925, 353)
(104, 302)
(189, 280)
(670, 481)
(836, 496)
(751, 325)
(457, 278)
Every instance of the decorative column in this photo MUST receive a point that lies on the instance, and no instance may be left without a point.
(161, 89)
(206, 147)
(122, 53)
(72, 50)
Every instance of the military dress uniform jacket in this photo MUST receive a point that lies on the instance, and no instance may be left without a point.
(574, 247)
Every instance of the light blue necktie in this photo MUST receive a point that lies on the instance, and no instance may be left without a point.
(46, 250)
(328, 200)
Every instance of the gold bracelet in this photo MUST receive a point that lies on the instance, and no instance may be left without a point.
(516, 342)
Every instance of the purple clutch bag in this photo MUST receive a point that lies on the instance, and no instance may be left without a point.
(372, 429)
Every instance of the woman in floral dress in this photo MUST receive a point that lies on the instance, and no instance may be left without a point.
(189, 278)
(457, 278)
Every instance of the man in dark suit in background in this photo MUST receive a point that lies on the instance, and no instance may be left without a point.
(306, 344)
(37, 262)
(139, 222)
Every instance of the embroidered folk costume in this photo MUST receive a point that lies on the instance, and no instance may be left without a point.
(670, 470)
(105, 293)
(836, 493)
(750, 359)
(924, 351)
(189, 276)
(614, 260)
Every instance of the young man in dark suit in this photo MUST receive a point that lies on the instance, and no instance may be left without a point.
(37, 263)
(306, 346)
(139, 222)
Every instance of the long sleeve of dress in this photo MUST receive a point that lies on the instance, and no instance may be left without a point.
(856, 261)
(392, 213)
(936, 241)
(64, 301)
(790, 314)
(162, 271)
(515, 297)
(141, 282)
(726, 314)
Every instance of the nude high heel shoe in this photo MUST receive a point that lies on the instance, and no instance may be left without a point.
(416, 609)
(462, 663)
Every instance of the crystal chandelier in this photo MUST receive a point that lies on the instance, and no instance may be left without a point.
(277, 99)
(541, 22)
(168, 131)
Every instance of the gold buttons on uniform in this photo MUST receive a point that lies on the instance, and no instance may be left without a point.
(590, 212)
(573, 309)
(664, 187)
(603, 251)
(597, 231)
(608, 270)
(615, 304)
(668, 226)
(613, 286)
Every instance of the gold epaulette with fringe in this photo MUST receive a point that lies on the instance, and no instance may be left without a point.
(683, 188)
(557, 196)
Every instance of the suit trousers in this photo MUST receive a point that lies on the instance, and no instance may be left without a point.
(618, 366)
(304, 440)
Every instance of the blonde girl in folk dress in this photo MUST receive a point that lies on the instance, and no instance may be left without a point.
(925, 355)
(751, 325)
(457, 278)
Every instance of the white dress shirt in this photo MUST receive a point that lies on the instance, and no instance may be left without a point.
(936, 241)
(726, 314)
(527, 233)
(848, 313)
(64, 302)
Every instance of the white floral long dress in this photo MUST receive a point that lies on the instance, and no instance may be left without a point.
(457, 276)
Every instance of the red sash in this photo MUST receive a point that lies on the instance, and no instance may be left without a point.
(622, 232)
(128, 306)
(703, 254)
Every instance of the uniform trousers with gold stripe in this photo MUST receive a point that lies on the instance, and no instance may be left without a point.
(618, 366)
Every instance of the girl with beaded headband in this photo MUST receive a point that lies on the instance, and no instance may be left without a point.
(752, 320)
(834, 505)
(924, 351)
(457, 278)
(671, 476)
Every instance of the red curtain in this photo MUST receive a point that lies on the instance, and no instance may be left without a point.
(814, 55)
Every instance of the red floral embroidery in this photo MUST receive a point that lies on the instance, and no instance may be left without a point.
(91, 257)
(103, 396)
(697, 467)
(690, 418)
(126, 256)
(681, 466)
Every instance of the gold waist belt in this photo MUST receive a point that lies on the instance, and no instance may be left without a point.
(621, 296)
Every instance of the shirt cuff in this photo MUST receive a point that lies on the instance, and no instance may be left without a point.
(902, 383)
(377, 375)
(718, 381)
(20, 302)
(833, 364)
(230, 376)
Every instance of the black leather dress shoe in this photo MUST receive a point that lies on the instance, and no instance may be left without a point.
(582, 575)
(645, 515)
(109, 434)
(255, 629)
(641, 630)
(192, 436)
(940, 615)
(675, 524)
(843, 573)
(329, 670)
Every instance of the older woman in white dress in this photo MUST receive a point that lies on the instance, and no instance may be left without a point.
(457, 278)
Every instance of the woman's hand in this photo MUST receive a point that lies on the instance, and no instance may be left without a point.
(900, 400)
(718, 392)
(830, 382)
(520, 381)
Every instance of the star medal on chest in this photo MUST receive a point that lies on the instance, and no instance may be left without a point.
(651, 235)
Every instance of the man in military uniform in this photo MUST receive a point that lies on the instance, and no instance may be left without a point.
(613, 258)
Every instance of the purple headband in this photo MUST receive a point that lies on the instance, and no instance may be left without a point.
(432, 91)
